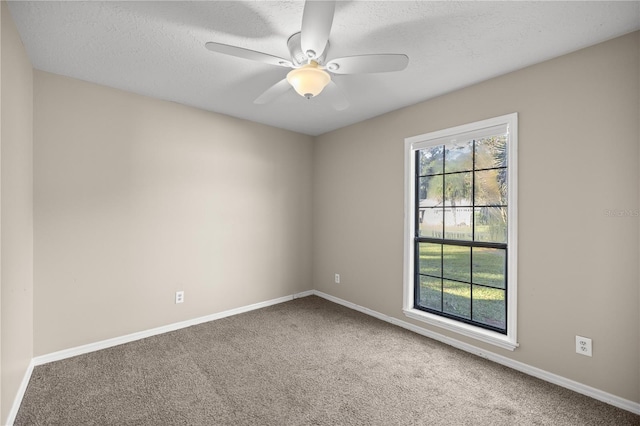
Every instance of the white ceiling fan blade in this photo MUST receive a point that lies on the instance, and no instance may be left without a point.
(336, 96)
(273, 92)
(317, 19)
(240, 52)
(368, 64)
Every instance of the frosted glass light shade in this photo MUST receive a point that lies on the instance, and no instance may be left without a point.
(308, 80)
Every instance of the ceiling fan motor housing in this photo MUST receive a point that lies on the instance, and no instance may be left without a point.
(298, 57)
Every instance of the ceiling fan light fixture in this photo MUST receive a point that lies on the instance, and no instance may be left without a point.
(308, 80)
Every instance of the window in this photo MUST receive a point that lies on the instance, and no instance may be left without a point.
(460, 229)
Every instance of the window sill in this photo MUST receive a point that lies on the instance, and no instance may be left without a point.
(486, 336)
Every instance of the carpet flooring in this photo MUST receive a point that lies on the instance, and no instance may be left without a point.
(304, 362)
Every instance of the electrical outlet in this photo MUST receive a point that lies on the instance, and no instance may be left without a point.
(583, 346)
(179, 296)
(337, 279)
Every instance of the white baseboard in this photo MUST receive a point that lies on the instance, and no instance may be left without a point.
(13, 412)
(516, 365)
(304, 294)
(91, 347)
(581, 388)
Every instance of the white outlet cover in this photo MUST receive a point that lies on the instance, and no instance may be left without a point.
(337, 278)
(583, 346)
(179, 296)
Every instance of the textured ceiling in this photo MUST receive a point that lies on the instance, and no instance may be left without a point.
(156, 48)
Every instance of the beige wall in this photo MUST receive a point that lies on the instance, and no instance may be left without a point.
(16, 211)
(578, 156)
(137, 198)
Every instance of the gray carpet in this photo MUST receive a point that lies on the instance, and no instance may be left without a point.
(304, 362)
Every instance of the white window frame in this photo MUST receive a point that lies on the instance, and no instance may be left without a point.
(415, 143)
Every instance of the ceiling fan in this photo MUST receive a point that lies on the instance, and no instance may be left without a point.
(311, 71)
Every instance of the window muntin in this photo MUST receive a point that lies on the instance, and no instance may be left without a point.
(460, 255)
(462, 196)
